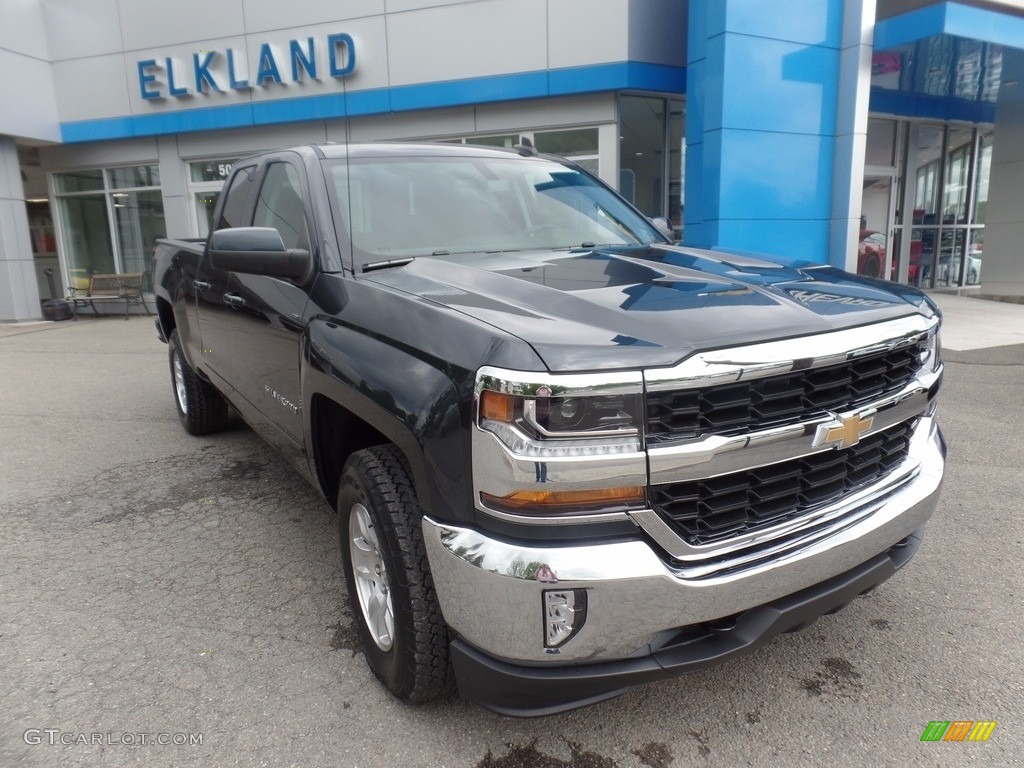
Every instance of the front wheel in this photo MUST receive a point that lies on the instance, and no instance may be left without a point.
(394, 605)
(200, 407)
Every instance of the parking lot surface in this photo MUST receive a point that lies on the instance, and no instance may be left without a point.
(169, 600)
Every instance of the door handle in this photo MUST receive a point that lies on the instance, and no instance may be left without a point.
(201, 285)
(234, 300)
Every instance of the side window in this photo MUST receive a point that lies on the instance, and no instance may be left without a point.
(280, 205)
(236, 203)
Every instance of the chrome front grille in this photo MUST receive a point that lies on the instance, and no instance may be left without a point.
(763, 403)
(719, 508)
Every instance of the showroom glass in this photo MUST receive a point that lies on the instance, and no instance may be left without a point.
(401, 207)
(109, 220)
(651, 156)
(576, 144)
(205, 180)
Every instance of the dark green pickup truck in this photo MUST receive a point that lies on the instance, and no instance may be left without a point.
(567, 455)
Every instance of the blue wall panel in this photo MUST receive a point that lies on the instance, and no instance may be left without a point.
(760, 126)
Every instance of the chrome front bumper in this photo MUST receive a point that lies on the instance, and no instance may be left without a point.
(636, 595)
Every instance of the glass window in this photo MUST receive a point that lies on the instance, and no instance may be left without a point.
(88, 248)
(211, 170)
(881, 142)
(135, 176)
(981, 181)
(445, 206)
(958, 166)
(206, 205)
(927, 156)
(236, 207)
(570, 143)
(110, 220)
(652, 156)
(578, 144)
(642, 153)
(79, 181)
(280, 205)
(506, 140)
(139, 218)
(676, 155)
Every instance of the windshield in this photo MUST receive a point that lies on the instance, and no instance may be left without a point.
(401, 207)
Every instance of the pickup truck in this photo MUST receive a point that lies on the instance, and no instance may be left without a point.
(567, 455)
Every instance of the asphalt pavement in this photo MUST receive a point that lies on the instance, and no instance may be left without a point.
(168, 600)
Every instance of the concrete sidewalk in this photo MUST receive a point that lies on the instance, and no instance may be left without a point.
(971, 324)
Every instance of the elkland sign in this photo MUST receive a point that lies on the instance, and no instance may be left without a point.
(214, 71)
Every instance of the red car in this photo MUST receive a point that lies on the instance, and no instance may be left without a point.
(870, 253)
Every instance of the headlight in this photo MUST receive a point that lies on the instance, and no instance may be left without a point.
(570, 417)
(544, 415)
(931, 351)
(571, 443)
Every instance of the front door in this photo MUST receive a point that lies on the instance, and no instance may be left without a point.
(260, 319)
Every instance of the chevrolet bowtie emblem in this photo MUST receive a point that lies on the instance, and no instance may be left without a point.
(843, 431)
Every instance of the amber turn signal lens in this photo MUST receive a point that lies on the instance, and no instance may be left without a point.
(565, 501)
(497, 406)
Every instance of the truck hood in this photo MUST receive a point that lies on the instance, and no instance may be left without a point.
(647, 306)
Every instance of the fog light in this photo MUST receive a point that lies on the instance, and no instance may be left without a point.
(565, 611)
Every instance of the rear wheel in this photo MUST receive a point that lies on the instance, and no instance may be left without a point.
(200, 407)
(394, 605)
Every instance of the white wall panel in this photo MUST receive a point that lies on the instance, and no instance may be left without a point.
(22, 28)
(468, 40)
(408, 125)
(396, 6)
(153, 23)
(576, 110)
(239, 142)
(580, 33)
(28, 107)
(78, 28)
(98, 155)
(266, 15)
(91, 88)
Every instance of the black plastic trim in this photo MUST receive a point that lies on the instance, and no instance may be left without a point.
(531, 691)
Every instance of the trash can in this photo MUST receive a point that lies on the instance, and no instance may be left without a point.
(55, 309)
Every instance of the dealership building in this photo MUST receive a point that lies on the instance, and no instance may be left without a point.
(885, 137)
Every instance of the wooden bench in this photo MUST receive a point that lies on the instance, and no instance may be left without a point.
(126, 287)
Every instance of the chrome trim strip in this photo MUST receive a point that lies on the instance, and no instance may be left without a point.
(561, 385)
(714, 455)
(757, 361)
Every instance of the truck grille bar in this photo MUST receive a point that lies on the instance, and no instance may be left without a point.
(716, 509)
(749, 406)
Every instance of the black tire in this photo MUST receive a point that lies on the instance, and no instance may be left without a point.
(412, 661)
(200, 407)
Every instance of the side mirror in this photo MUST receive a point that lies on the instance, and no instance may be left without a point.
(257, 251)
